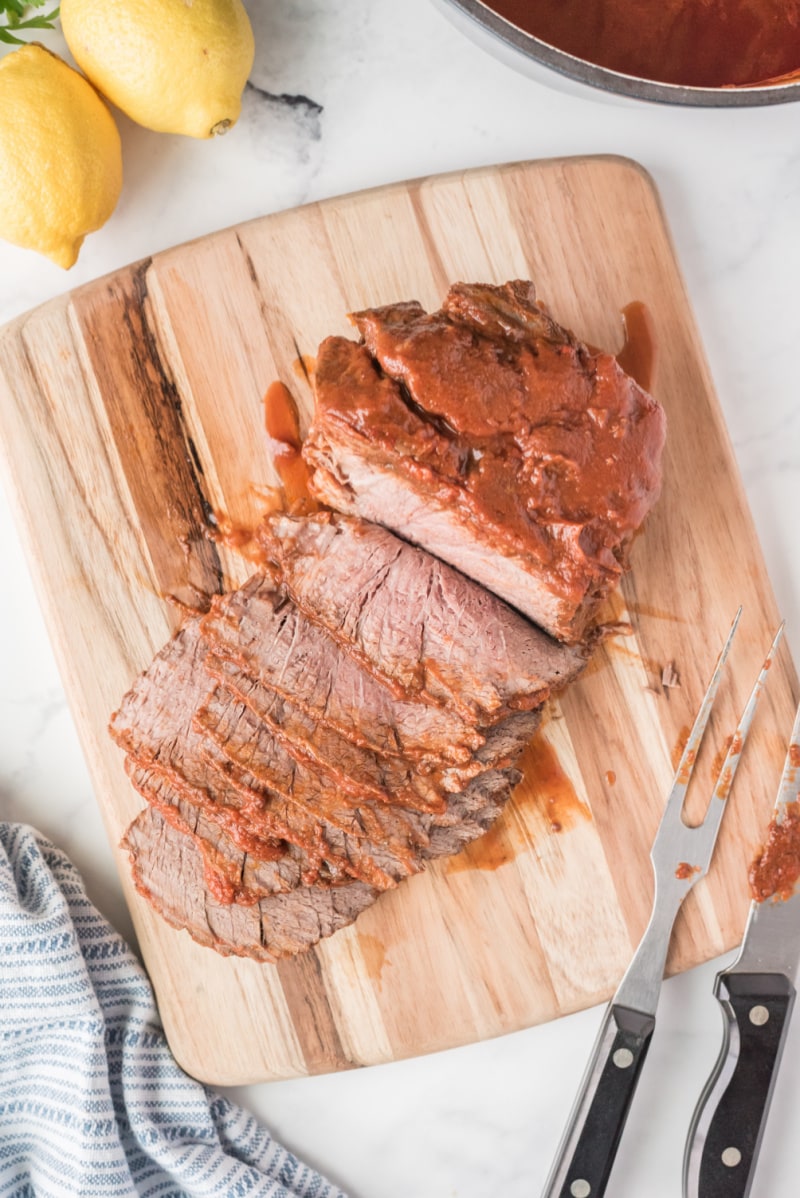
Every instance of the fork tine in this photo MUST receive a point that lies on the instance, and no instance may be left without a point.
(727, 772)
(689, 755)
(705, 833)
(787, 792)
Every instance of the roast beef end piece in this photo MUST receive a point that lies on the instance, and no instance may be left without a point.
(508, 312)
(488, 435)
(472, 812)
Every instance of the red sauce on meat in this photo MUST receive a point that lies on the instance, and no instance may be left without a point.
(775, 872)
(696, 43)
(498, 413)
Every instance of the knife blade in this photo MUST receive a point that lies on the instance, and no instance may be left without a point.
(756, 994)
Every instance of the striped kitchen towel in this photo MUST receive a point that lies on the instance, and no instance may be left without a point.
(92, 1103)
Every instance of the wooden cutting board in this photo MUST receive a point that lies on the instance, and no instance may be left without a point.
(132, 409)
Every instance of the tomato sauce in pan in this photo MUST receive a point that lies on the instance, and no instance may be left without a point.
(696, 43)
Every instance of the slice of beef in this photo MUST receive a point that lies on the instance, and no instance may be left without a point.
(358, 769)
(355, 768)
(260, 630)
(232, 875)
(387, 833)
(417, 623)
(238, 886)
(168, 871)
(494, 439)
(252, 820)
(217, 756)
(170, 764)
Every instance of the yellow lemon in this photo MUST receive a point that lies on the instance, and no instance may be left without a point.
(60, 155)
(178, 66)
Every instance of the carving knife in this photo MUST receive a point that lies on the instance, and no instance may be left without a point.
(756, 994)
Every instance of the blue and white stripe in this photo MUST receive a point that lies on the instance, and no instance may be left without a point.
(92, 1103)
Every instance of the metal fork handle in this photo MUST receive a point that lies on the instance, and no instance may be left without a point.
(587, 1151)
(642, 981)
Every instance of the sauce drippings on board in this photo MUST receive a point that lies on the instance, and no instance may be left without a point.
(546, 786)
(694, 43)
(551, 789)
(242, 539)
(285, 445)
(304, 366)
(373, 952)
(492, 850)
(638, 354)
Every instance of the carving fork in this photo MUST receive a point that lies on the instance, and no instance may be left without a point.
(680, 856)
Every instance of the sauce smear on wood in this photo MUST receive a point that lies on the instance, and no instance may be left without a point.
(285, 446)
(550, 788)
(638, 354)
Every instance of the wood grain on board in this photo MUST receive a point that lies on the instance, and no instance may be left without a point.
(131, 418)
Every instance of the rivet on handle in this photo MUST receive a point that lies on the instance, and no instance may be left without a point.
(731, 1157)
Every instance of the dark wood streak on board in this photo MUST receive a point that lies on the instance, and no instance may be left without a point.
(266, 315)
(145, 409)
(248, 259)
(304, 988)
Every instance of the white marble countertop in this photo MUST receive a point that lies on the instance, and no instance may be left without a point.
(349, 94)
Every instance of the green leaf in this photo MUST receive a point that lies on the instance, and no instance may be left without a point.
(14, 16)
(14, 10)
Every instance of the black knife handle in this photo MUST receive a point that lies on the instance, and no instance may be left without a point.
(732, 1112)
(592, 1136)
